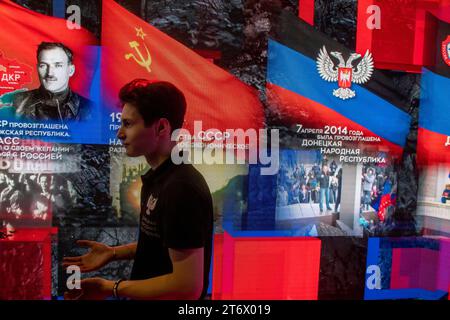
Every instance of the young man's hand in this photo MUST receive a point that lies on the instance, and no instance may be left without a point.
(91, 289)
(98, 256)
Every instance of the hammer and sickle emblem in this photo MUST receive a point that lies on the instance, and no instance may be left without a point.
(142, 62)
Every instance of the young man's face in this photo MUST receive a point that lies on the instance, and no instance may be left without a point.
(137, 139)
(54, 70)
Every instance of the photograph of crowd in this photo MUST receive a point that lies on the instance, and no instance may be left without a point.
(312, 187)
(433, 205)
(317, 183)
(32, 199)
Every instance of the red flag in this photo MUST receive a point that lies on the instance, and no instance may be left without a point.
(394, 31)
(22, 30)
(385, 203)
(134, 49)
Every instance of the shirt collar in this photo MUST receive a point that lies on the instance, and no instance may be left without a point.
(153, 173)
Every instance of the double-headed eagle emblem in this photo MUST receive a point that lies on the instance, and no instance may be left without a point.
(344, 73)
(151, 204)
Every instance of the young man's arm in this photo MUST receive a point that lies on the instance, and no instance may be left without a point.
(184, 283)
(99, 255)
(125, 252)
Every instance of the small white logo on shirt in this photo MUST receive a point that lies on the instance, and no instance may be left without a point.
(151, 204)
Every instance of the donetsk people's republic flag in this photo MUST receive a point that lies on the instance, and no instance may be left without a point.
(317, 82)
(434, 114)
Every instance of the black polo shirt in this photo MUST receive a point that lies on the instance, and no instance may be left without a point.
(177, 213)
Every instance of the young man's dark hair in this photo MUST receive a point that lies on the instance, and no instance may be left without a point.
(155, 100)
(52, 45)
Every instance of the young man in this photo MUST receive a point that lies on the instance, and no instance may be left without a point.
(173, 254)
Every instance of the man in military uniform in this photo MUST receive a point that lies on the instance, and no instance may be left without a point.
(53, 100)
